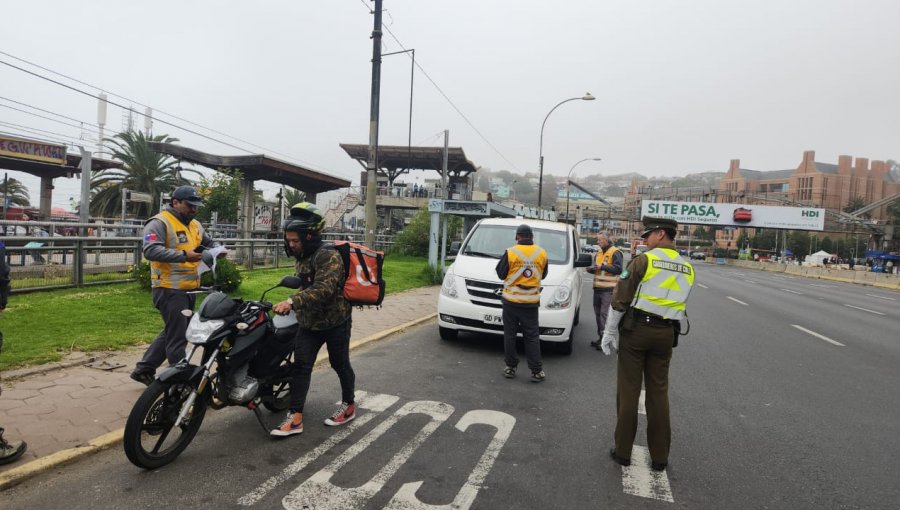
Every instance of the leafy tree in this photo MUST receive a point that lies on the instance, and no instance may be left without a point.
(15, 192)
(293, 196)
(414, 238)
(855, 204)
(221, 194)
(143, 170)
(827, 245)
(893, 211)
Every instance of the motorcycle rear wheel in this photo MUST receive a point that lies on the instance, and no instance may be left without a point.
(152, 421)
(280, 398)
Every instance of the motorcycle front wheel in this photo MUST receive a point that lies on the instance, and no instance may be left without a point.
(151, 438)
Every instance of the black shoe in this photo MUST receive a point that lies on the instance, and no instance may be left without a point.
(619, 460)
(595, 343)
(658, 466)
(142, 377)
(509, 372)
(538, 376)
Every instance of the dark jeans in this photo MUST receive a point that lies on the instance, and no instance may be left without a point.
(525, 317)
(170, 343)
(307, 345)
(602, 299)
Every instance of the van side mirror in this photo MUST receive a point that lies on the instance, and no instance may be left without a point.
(583, 260)
(454, 249)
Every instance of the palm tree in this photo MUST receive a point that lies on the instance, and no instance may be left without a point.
(143, 170)
(15, 192)
(293, 196)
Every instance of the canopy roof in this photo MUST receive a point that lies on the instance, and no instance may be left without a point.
(421, 158)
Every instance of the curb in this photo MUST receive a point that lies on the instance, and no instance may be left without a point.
(50, 367)
(34, 468)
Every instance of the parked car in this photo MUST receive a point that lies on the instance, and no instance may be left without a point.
(470, 293)
(698, 255)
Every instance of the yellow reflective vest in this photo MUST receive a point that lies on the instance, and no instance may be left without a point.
(602, 279)
(177, 275)
(666, 285)
(526, 268)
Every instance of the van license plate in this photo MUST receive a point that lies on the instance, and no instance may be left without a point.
(493, 319)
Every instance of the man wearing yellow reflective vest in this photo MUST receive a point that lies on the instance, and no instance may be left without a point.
(649, 301)
(606, 270)
(522, 268)
(173, 240)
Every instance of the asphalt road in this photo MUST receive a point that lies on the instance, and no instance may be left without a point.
(765, 415)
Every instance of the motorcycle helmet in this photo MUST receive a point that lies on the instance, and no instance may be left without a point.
(307, 220)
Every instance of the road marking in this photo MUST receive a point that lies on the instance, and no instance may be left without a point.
(821, 285)
(737, 301)
(863, 309)
(639, 480)
(813, 333)
(749, 281)
(701, 285)
(881, 297)
(374, 403)
(642, 408)
(792, 291)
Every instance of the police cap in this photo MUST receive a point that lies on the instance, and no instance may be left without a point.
(187, 194)
(651, 224)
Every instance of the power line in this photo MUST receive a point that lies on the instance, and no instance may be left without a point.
(40, 116)
(48, 111)
(31, 128)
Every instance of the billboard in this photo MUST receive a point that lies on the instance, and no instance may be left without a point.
(33, 150)
(737, 215)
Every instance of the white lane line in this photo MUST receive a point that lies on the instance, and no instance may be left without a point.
(863, 309)
(792, 291)
(737, 301)
(639, 480)
(703, 286)
(881, 297)
(749, 281)
(813, 333)
(821, 285)
(642, 409)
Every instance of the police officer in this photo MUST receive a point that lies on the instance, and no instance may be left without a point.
(323, 313)
(173, 240)
(606, 270)
(522, 268)
(649, 301)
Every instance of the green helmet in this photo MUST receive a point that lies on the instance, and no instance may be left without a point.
(305, 218)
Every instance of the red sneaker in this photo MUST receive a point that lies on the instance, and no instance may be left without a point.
(344, 414)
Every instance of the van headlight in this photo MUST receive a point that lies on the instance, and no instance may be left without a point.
(198, 332)
(448, 287)
(562, 296)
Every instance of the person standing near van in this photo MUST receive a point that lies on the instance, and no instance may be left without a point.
(522, 267)
(606, 270)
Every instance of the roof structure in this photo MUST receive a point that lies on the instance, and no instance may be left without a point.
(392, 158)
(257, 167)
(53, 170)
(759, 175)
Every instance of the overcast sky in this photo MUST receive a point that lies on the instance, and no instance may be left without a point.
(681, 87)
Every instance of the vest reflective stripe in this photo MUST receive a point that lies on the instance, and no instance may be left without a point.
(666, 285)
(177, 275)
(602, 279)
(526, 267)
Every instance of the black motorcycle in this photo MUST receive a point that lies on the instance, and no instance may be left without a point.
(246, 361)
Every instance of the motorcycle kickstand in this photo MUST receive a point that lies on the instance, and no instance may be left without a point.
(254, 406)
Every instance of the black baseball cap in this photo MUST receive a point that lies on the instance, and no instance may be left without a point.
(187, 194)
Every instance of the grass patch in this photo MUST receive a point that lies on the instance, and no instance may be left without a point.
(41, 327)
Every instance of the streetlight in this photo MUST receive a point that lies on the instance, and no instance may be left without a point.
(568, 181)
(586, 97)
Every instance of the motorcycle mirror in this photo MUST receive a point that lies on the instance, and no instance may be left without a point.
(291, 282)
(242, 326)
(207, 258)
(187, 313)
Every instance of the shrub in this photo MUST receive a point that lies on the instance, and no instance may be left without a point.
(229, 277)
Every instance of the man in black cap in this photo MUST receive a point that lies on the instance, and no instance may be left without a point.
(173, 240)
(522, 268)
(649, 300)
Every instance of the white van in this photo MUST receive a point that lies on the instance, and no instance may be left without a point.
(470, 294)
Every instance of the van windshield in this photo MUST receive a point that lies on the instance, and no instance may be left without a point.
(492, 240)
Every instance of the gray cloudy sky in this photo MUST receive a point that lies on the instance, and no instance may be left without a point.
(681, 87)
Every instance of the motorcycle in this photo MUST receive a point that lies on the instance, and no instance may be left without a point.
(246, 361)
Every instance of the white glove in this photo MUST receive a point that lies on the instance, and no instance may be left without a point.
(611, 331)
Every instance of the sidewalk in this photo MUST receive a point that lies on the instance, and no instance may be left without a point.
(67, 412)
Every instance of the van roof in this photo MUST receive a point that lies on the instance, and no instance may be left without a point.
(515, 222)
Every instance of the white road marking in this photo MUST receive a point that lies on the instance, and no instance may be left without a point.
(813, 333)
(881, 297)
(737, 301)
(642, 408)
(373, 403)
(749, 281)
(821, 285)
(863, 309)
(639, 480)
(792, 291)
(406, 499)
(318, 491)
(703, 286)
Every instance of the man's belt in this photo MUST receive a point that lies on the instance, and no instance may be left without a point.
(649, 318)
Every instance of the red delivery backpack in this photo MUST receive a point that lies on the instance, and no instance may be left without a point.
(364, 284)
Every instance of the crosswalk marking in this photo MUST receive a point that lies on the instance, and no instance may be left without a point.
(639, 480)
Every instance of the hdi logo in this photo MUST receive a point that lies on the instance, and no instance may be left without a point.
(809, 214)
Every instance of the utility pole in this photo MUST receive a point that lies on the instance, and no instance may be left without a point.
(372, 160)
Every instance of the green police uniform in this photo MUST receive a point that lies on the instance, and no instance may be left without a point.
(652, 291)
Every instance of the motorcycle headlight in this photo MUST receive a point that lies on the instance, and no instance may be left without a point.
(562, 296)
(199, 331)
(448, 287)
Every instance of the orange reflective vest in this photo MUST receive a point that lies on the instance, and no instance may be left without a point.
(526, 268)
(602, 279)
(177, 275)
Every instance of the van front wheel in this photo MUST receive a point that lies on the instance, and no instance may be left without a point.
(447, 333)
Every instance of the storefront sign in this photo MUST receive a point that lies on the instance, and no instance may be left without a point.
(736, 215)
(32, 150)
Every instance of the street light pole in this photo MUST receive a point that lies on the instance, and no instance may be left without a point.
(568, 182)
(372, 159)
(586, 97)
